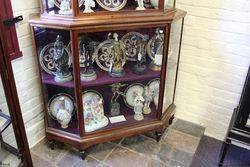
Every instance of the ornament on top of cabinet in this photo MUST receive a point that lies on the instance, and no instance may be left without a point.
(138, 107)
(65, 7)
(115, 106)
(61, 108)
(109, 56)
(93, 111)
(46, 58)
(154, 88)
(131, 41)
(86, 50)
(61, 59)
(131, 93)
(155, 49)
(140, 66)
(140, 5)
(58, 2)
(155, 4)
(50, 4)
(112, 5)
(148, 96)
(88, 4)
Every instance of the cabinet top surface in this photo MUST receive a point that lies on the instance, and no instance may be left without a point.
(117, 19)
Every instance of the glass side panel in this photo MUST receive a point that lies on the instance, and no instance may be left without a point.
(120, 76)
(172, 64)
(7, 136)
(91, 6)
(61, 7)
(56, 70)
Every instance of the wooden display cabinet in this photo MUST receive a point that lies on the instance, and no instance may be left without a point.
(107, 34)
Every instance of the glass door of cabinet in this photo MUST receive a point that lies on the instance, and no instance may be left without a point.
(8, 148)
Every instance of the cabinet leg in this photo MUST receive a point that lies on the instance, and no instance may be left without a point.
(52, 144)
(223, 152)
(84, 153)
(158, 136)
(171, 120)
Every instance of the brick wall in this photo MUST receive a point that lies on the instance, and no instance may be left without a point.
(214, 62)
(26, 74)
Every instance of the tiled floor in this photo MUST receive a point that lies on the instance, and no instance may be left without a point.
(182, 145)
(176, 148)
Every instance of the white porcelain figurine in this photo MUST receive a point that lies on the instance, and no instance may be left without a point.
(63, 115)
(148, 95)
(88, 4)
(138, 108)
(140, 5)
(65, 8)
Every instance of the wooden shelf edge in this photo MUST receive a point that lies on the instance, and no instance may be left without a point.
(87, 141)
(168, 115)
(76, 23)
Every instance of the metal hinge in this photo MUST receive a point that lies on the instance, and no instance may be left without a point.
(12, 21)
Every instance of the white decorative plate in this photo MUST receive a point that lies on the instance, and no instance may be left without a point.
(104, 53)
(112, 5)
(55, 104)
(131, 92)
(131, 41)
(155, 45)
(46, 58)
(154, 88)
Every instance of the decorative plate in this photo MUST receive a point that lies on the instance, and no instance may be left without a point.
(131, 92)
(104, 53)
(154, 88)
(55, 104)
(89, 95)
(46, 58)
(155, 44)
(131, 41)
(112, 5)
(58, 2)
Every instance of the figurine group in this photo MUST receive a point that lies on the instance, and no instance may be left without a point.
(111, 5)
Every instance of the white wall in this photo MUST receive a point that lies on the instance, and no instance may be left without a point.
(26, 74)
(214, 61)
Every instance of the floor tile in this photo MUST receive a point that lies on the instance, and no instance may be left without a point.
(142, 144)
(100, 151)
(181, 141)
(123, 157)
(45, 152)
(168, 154)
(188, 127)
(39, 162)
(89, 162)
(69, 159)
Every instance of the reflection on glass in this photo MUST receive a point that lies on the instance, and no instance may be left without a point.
(172, 64)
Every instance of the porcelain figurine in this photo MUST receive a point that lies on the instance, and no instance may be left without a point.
(116, 61)
(94, 117)
(63, 115)
(88, 4)
(61, 59)
(65, 7)
(115, 106)
(88, 73)
(138, 108)
(140, 67)
(140, 5)
(148, 96)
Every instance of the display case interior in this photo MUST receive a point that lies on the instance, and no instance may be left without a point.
(121, 69)
(73, 8)
(57, 79)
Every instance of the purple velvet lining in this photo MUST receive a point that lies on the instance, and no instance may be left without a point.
(103, 78)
